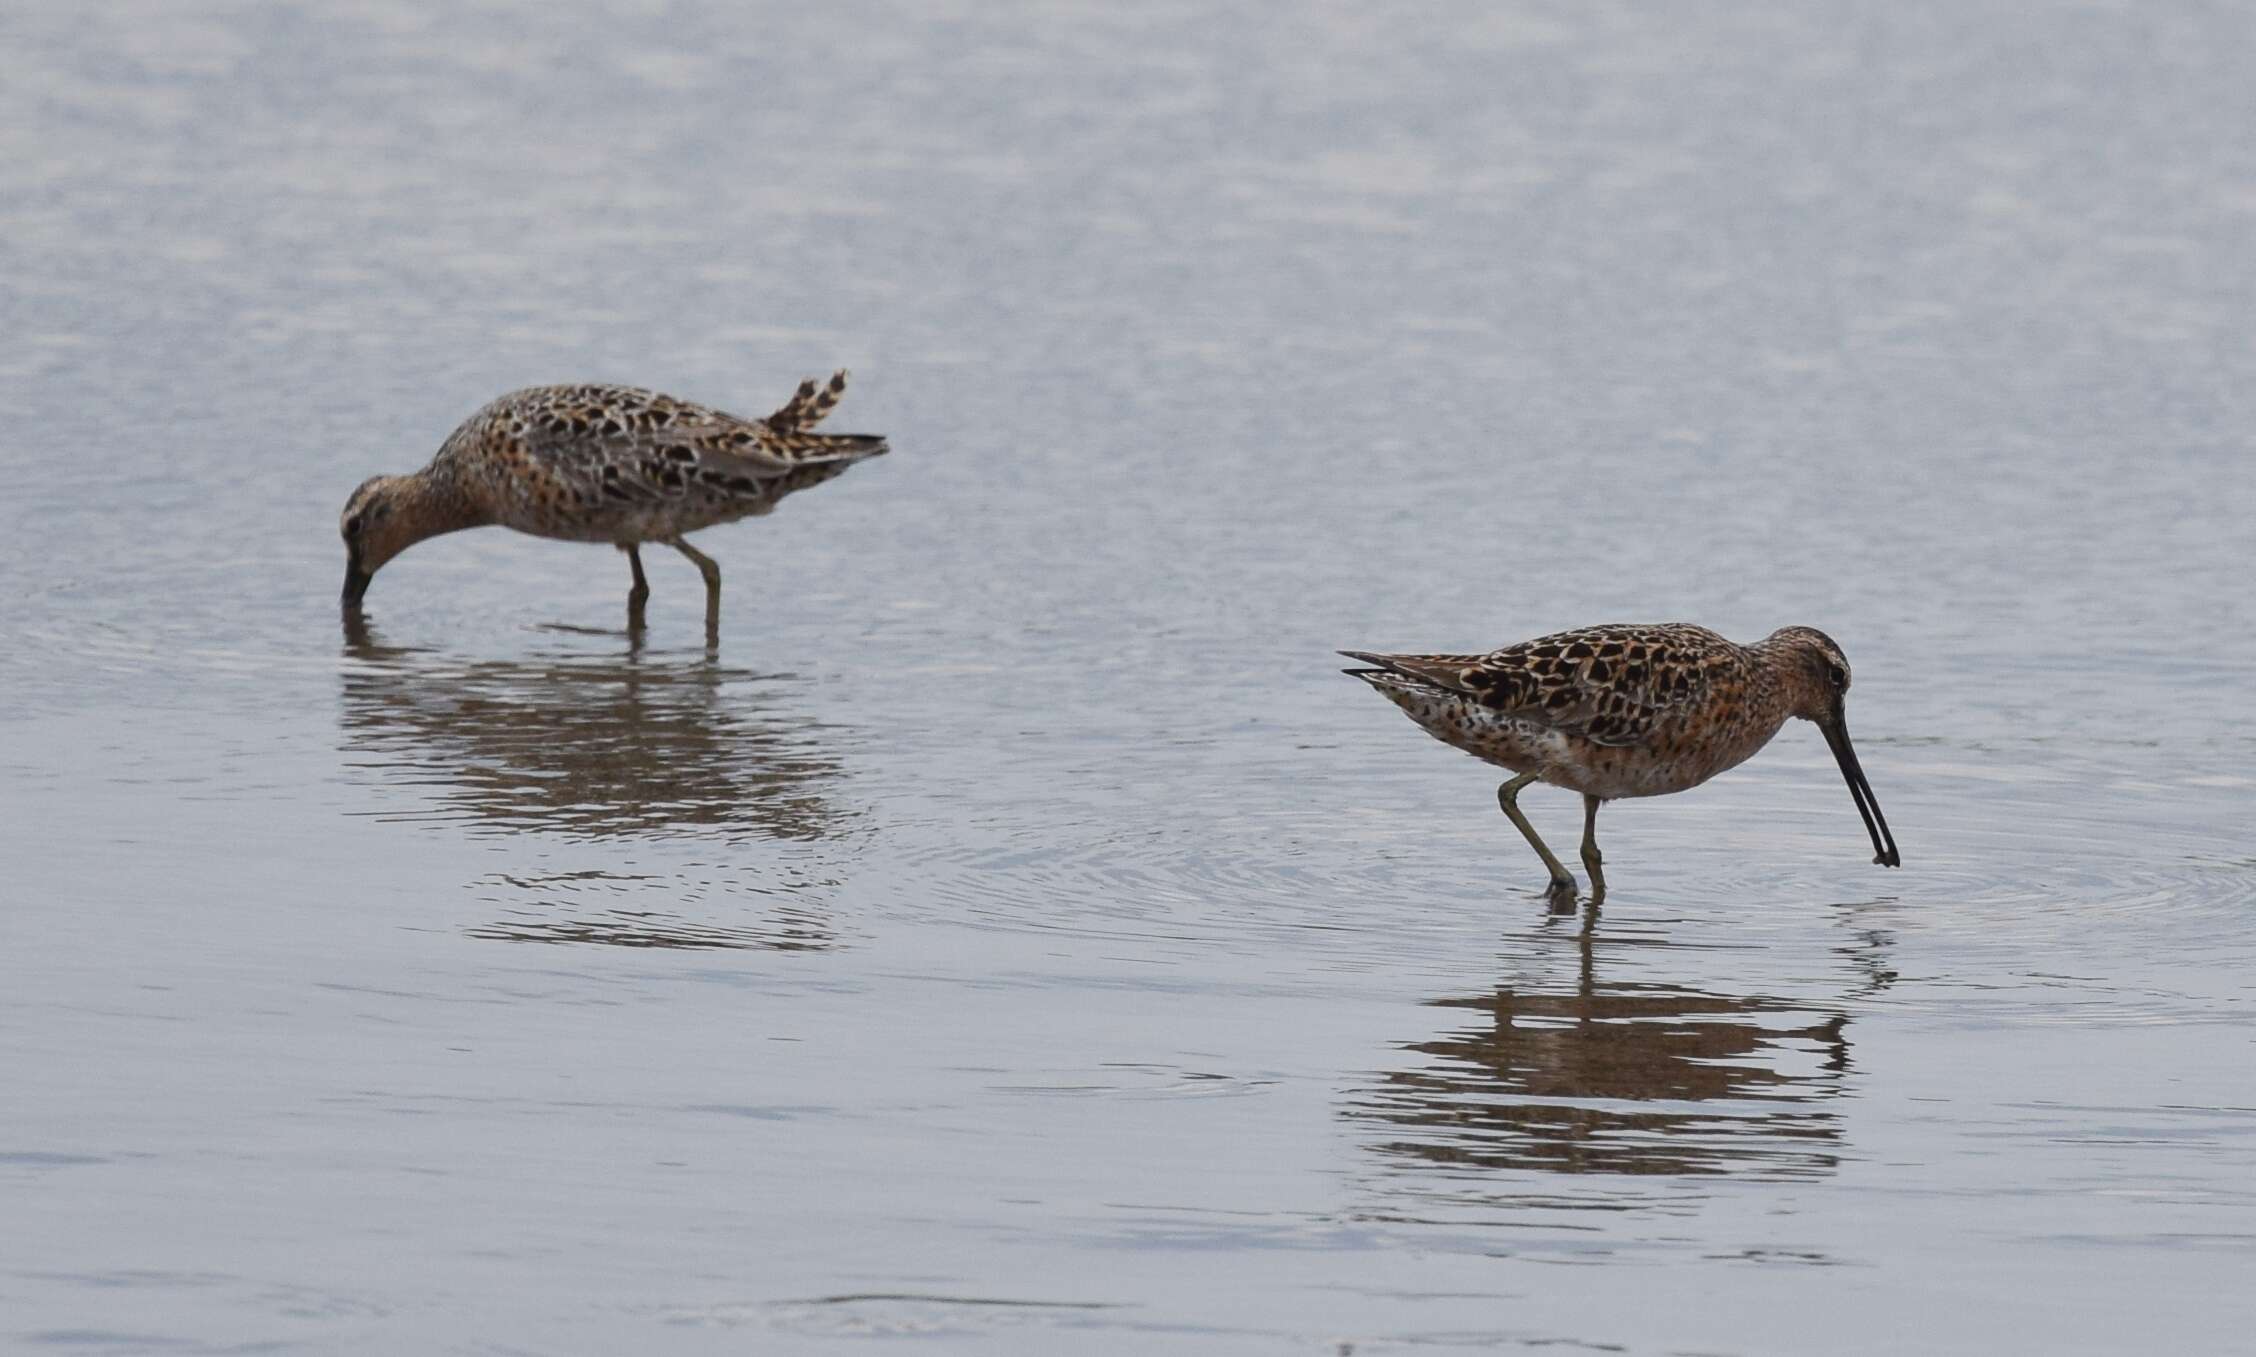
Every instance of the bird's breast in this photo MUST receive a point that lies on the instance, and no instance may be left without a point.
(1672, 759)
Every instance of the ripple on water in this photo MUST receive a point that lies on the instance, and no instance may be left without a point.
(2040, 857)
(2183, 885)
(603, 744)
(1134, 1080)
(1241, 876)
(2052, 934)
(674, 910)
(604, 766)
(1606, 1089)
(59, 665)
(891, 1314)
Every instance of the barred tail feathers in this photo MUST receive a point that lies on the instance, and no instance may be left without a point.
(807, 449)
(809, 404)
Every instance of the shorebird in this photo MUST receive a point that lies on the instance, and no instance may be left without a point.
(610, 464)
(1629, 709)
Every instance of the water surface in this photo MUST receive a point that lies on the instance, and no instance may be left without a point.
(1010, 934)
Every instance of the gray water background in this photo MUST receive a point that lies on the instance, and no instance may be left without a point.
(1014, 936)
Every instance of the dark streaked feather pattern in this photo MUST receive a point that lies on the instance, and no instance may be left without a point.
(622, 464)
(1627, 709)
(1614, 684)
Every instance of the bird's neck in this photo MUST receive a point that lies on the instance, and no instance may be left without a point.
(1783, 683)
(434, 501)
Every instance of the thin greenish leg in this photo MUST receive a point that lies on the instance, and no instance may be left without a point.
(711, 570)
(1508, 796)
(640, 593)
(1591, 857)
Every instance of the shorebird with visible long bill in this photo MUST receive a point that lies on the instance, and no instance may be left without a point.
(610, 464)
(1632, 709)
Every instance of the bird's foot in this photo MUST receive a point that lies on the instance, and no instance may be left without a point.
(1560, 894)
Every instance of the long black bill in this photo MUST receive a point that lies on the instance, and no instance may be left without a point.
(1868, 806)
(356, 582)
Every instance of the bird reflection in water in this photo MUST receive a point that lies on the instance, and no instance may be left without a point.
(1620, 1078)
(623, 744)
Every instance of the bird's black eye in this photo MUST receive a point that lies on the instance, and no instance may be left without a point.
(352, 526)
(1837, 676)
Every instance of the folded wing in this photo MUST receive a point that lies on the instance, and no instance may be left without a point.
(637, 445)
(1612, 685)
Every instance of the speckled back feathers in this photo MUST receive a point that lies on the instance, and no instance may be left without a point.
(1625, 709)
(1613, 684)
(621, 464)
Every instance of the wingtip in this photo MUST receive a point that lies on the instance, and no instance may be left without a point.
(1369, 658)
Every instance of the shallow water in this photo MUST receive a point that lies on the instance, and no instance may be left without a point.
(1011, 934)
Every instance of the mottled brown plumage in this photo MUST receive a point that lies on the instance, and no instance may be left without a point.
(1640, 709)
(807, 405)
(599, 463)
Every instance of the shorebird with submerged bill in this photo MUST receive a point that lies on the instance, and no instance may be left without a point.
(1627, 710)
(598, 463)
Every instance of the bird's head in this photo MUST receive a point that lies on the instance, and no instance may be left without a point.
(1816, 675)
(377, 524)
(1814, 670)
